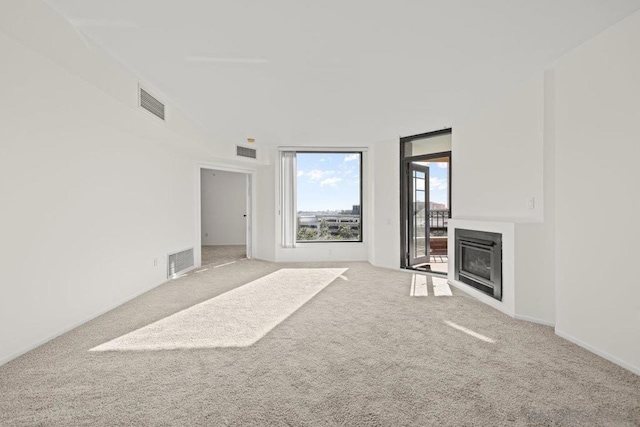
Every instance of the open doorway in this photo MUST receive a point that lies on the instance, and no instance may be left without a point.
(225, 216)
(425, 201)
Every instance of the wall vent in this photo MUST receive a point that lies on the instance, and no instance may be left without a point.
(179, 262)
(151, 104)
(241, 151)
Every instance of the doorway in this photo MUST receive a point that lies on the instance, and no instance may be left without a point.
(225, 216)
(425, 201)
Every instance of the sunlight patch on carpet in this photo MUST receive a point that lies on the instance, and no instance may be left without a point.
(470, 332)
(421, 283)
(419, 286)
(238, 318)
(441, 287)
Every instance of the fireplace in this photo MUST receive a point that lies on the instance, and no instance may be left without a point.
(478, 260)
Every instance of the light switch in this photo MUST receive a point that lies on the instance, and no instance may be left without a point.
(531, 203)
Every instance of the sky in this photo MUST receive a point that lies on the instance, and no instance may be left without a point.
(438, 182)
(331, 181)
(328, 181)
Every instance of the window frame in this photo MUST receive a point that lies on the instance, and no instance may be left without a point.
(361, 187)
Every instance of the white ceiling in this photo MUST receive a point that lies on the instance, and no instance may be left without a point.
(348, 72)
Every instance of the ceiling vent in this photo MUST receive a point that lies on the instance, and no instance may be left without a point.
(151, 104)
(250, 153)
(179, 262)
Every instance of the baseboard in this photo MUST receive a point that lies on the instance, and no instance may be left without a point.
(603, 354)
(534, 320)
(75, 325)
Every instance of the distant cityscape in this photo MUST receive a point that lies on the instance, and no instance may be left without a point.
(434, 206)
(329, 225)
(346, 224)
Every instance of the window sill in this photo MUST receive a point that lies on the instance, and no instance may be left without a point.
(326, 243)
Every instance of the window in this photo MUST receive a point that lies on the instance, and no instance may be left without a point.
(328, 197)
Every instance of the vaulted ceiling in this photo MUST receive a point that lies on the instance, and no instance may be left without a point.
(349, 72)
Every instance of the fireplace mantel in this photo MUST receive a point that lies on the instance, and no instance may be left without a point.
(507, 305)
(525, 286)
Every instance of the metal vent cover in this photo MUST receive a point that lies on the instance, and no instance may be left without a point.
(179, 262)
(151, 104)
(250, 153)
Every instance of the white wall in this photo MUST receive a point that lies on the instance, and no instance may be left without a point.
(497, 162)
(223, 206)
(92, 188)
(502, 157)
(535, 273)
(535, 242)
(386, 205)
(266, 209)
(598, 149)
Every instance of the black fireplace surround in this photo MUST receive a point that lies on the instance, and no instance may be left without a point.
(478, 260)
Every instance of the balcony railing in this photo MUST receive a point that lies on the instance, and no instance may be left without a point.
(439, 221)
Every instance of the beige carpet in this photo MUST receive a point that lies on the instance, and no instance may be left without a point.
(237, 318)
(361, 352)
(217, 255)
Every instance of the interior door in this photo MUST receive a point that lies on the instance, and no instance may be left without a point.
(418, 212)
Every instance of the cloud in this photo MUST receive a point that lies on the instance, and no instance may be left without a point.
(352, 157)
(330, 181)
(315, 175)
(436, 183)
(443, 165)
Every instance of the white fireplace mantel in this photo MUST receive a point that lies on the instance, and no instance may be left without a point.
(525, 288)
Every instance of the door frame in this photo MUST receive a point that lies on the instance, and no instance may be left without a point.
(404, 162)
(250, 206)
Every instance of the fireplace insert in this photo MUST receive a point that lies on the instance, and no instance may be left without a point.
(478, 260)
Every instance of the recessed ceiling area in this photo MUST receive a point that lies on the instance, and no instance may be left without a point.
(333, 72)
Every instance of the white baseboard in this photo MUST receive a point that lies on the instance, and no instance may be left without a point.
(534, 320)
(603, 354)
(75, 325)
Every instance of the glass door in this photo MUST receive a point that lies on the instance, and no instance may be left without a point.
(425, 201)
(418, 211)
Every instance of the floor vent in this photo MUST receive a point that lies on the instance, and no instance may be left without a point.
(250, 153)
(179, 262)
(151, 104)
